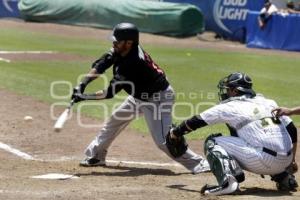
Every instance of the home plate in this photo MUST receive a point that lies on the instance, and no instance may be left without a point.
(54, 176)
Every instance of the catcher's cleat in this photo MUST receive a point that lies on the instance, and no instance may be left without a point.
(92, 162)
(203, 166)
(228, 187)
(289, 183)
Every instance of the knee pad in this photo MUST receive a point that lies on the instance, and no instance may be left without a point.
(210, 141)
(222, 164)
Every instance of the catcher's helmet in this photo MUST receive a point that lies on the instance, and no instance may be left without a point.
(125, 31)
(239, 81)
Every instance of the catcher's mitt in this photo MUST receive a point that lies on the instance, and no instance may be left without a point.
(177, 147)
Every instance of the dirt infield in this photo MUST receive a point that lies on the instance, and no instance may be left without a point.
(136, 168)
(61, 152)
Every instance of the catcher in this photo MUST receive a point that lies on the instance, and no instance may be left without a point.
(259, 143)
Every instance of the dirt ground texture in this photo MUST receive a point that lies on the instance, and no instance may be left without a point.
(61, 152)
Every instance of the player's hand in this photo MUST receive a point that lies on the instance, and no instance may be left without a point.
(80, 88)
(77, 92)
(77, 97)
(277, 112)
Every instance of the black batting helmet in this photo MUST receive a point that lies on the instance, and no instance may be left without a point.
(239, 81)
(125, 31)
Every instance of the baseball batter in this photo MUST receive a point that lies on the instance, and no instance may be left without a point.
(259, 142)
(149, 93)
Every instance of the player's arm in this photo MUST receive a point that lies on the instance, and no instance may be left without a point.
(286, 111)
(187, 126)
(92, 75)
(292, 130)
(79, 89)
(108, 93)
(295, 111)
(175, 141)
(210, 116)
(98, 67)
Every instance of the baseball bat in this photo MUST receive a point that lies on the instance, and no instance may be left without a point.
(63, 118)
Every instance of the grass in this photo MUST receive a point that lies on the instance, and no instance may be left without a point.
(193, 73)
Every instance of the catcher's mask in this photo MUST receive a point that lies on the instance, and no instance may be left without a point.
(125, 31)
(239, 81)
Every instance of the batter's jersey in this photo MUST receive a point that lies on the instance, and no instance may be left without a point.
(136, 73)
(253, 121)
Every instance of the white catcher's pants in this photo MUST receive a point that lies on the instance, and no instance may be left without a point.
(253, 159)
(158, 115)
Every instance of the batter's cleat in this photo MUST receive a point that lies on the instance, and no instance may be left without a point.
(229, 186)
(289, 183)
(92, 162)
(203, 166)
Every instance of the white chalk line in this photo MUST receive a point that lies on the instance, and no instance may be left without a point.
(24, 52)
(128, 162)
(4, 60)
(29, 52)
(145, 163)
(31, 193)
(16, 152)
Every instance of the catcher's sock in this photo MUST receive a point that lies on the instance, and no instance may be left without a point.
(230, 186)
(91, 162)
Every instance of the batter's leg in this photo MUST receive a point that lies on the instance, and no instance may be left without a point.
(158, 116)
(120, 118)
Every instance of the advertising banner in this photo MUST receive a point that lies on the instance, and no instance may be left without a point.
(226, 17)
(9, 8)
(279, 32)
